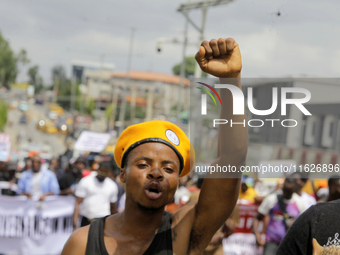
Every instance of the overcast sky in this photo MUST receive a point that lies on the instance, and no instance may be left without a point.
(303, 40)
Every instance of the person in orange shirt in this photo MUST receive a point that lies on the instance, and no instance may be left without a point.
(247, 192)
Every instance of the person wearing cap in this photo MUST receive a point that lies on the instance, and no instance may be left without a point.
(153, 156)
(97, 194)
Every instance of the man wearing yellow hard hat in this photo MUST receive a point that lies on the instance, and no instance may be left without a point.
(153, 156)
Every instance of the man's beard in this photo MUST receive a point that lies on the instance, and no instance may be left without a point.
(100, 178)
(149, 209)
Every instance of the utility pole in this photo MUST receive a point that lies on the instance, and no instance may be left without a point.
(73, 91)
(185, 8)
(195, 129)
(127, 80)
(182, 74)
(99, 101)
(55, 89)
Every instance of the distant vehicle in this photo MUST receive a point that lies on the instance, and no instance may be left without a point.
(39, 101)
(56, 108)
(52, 115)
(61, 124)
(23, 106)
(41, 125)
(50, 128)
(23, 119)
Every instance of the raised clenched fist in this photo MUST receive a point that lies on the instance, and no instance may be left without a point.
(221, 58)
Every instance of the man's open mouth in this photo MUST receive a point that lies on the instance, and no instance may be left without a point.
(153, 190)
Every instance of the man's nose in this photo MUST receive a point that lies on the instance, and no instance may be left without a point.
(155, 173)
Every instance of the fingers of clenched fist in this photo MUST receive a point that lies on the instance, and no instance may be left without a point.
(216, 48)
(220, 57)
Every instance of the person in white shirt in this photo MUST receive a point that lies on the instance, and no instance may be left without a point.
(301, 182)
(96, 196)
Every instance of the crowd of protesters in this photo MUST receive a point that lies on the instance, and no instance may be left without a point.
(93, 180)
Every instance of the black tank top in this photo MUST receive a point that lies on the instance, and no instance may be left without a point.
(160, 245)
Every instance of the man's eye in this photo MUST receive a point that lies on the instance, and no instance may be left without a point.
(142, 165)
(170, 170)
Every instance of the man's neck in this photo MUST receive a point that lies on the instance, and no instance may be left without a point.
(136, 221)
(299, 192)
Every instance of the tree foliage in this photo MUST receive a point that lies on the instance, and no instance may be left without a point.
(59, 74)
(9, 63)
(34, 78)
(3, 115)
(190, 64)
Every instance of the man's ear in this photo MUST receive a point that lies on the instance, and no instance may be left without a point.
(122, 175)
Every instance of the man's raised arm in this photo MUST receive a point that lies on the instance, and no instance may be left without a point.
(220, 191)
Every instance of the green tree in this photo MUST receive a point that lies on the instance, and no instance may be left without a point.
(59, 75)
(9, 63)
(3, 115)
(190, 64)
(34, 78)
(85, 106)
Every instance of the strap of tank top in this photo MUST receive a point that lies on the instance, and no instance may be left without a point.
(95, 240)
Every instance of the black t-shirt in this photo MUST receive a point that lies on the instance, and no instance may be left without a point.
(316, 231)
(67, 180)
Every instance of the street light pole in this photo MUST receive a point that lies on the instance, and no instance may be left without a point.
(182, 74)
(127, 80)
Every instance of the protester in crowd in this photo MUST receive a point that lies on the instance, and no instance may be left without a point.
(152, 156)
(315, 232)
(80, 164)
(28, 164)
(8, 184)
(301, 182)
(333, 188)
(38, 182)
(71, 177)
(323, 191)
(283, 210)
(115, 172)
(247, 192)
(182, 194)
(4, 175)
(97, 194)
(55, 167)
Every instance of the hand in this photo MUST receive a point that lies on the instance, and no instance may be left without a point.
(42, 198)
(259, 239)
(28, 195)
(221, 58)
(217, 238)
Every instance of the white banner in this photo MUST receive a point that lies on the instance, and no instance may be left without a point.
(5, 146)
(92, 141)
(35, 228)
(241, 244)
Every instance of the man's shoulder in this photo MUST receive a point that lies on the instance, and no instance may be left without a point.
(272, 197)
(77, 242)
(26, 173)
(333, 206)
(48, 172)
(111, 183)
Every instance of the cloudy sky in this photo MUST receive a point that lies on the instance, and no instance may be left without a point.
(302, 40)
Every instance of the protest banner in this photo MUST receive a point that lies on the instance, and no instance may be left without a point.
(92, 141)
(5, 147)
(30, 227)
(243, 241)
